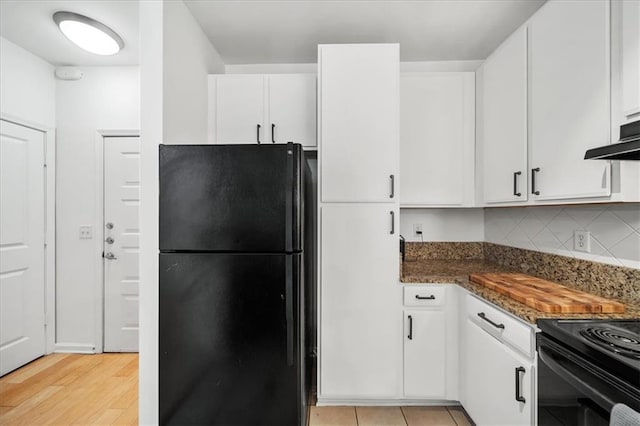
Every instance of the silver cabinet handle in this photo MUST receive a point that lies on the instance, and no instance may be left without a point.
(393, 222)
(110, 256)
(109, 240)
(109, 225)
(393, 185)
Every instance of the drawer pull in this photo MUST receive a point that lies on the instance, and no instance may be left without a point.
(410, 336)
(484, 317)
(432, 297)
(519, 396)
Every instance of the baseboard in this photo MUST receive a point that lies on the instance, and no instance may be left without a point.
(385, 402)
(74, 348)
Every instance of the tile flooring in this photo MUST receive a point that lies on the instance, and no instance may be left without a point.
(388, 416)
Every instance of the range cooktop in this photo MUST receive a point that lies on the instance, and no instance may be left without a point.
(612, 344)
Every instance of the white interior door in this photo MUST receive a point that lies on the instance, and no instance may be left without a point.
(22, 219)
(121, 243)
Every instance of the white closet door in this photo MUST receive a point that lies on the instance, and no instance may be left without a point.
(22, 219)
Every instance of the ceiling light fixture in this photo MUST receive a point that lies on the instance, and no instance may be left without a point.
(88, 34)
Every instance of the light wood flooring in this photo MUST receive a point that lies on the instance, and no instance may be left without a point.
(388, 416)
(66, 389)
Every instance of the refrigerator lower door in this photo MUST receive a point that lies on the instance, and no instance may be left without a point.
(230, 342)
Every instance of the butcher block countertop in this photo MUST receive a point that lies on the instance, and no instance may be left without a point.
(424, 271)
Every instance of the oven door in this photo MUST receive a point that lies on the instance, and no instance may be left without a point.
(574, 391)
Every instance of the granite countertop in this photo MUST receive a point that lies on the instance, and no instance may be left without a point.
(457, 272)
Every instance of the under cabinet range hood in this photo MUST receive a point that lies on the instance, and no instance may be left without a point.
(628, 148)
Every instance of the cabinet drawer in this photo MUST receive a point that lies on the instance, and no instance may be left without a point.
(502, 325)
(424, 295)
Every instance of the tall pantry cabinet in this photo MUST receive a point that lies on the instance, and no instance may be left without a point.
(358, 156)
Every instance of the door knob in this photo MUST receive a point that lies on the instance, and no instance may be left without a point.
(110, 256)
(109, 240)
(109, 225)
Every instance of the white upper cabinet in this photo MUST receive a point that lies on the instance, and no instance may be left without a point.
(262, 109)
(569, 86)
(358, 128)
(292, 108)
(437, 139)
(630, 58)
(505, 121)
(238, 114)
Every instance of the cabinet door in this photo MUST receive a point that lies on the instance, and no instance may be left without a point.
(360, 351)
(569, 98)
(239, 109)
(505, 121)
(437, 138)
(490, 378)
(630, 58)
(424, 354)
(292, 109)
(358, 105)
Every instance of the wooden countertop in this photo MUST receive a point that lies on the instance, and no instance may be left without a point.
(425, 271)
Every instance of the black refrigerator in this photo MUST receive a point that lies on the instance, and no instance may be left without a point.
(237, 272)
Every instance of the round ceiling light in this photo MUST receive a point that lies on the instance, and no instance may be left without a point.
(88, 34)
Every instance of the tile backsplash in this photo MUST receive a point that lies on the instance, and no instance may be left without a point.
(614, 229)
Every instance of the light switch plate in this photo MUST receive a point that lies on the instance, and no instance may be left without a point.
(86, 232)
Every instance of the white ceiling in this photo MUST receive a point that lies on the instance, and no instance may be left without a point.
(267, 31)
(28, 24)
(284, 31)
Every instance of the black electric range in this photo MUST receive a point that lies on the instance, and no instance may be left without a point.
(585, 367)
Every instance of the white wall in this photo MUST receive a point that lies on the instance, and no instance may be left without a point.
(27, 86)
(175, 60)
(443, 224)
(614, 228)
(188, 59)
(424, 66)
(106, 98)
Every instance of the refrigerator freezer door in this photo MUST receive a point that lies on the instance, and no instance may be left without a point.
(230, 343)
(231, 198)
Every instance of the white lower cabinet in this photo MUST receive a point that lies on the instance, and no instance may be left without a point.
(359, 295)
(424, 354)
(430, 342)
(498, 381)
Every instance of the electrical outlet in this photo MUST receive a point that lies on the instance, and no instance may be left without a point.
(417, 229)
(86, 232)
(582, 241)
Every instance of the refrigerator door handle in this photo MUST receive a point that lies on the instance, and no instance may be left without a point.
(289, 308)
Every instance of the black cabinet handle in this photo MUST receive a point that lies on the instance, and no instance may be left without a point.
(393, 222)
(410, 336)
(519, 397)
(533, 181)
(515, 183)
(432, 297)
(258, 133)
(484, 317)
(393, 185)
(273, 133)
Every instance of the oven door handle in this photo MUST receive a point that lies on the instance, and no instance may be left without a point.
(562, 366)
